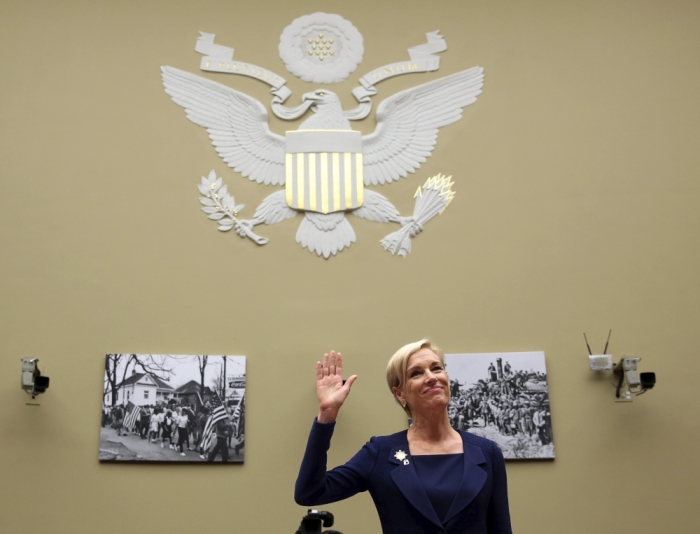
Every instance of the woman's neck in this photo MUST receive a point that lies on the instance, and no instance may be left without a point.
(433, 435)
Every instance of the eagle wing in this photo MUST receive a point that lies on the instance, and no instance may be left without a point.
(237, 125)
(408, 122)
(274, 209)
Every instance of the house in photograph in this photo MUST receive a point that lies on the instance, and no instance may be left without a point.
(191, 393)
(141, 389)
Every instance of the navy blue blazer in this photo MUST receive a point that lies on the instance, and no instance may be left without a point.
(480, 506)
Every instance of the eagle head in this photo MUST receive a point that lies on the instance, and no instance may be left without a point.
(322, 98)
(328, 111)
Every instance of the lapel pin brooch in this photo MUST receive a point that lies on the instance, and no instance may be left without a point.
(401, 457)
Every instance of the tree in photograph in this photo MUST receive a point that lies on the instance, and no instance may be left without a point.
(202, 362)
(151, 364)
(219, 383)
(115, 374)
(110, 384)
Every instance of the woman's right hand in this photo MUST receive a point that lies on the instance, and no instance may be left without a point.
(329, 386)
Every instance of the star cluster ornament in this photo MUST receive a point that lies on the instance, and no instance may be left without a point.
(321, 48)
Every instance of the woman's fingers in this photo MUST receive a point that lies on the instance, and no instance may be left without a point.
(331, 367)
(339, 363)
(331, 363)
(350, 381)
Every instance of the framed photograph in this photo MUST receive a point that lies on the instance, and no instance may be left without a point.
(503, 397)
(169, 408)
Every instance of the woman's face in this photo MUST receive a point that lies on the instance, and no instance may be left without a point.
(426, 387)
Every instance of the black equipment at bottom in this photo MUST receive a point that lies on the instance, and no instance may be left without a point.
(312, 521)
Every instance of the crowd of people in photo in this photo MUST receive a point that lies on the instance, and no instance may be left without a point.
(516, 403)
(182, 427)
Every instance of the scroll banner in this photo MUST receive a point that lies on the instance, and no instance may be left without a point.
(219, 58)
(423, 59)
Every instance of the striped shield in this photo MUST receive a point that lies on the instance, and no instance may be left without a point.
(323, 170)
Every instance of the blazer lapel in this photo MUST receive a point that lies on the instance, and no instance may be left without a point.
(406, 479)
(473, 479)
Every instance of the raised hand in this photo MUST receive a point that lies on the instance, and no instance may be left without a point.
(329, 386)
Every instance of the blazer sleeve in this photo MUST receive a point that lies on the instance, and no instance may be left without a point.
(498, 513)
(315, 485)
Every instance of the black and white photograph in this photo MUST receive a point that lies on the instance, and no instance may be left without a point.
(173, 408)
(503, 397)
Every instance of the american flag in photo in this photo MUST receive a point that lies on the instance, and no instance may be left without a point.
(218, 413)
(132, 414)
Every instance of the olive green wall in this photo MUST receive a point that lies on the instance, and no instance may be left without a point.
(576, 174)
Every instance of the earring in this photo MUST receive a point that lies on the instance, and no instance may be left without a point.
(403, 403)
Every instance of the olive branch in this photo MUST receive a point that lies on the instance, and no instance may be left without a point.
(221, 207)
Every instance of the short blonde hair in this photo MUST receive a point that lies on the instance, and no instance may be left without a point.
(396, 368)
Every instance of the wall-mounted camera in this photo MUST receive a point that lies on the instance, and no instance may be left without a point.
(629, 382)
(626, 380)
(32, 380)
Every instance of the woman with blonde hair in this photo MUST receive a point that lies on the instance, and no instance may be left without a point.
(428, 479)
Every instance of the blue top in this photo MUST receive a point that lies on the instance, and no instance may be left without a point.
(385, 468)
(440, 475)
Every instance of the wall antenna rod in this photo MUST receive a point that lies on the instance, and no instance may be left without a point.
(605, 350)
